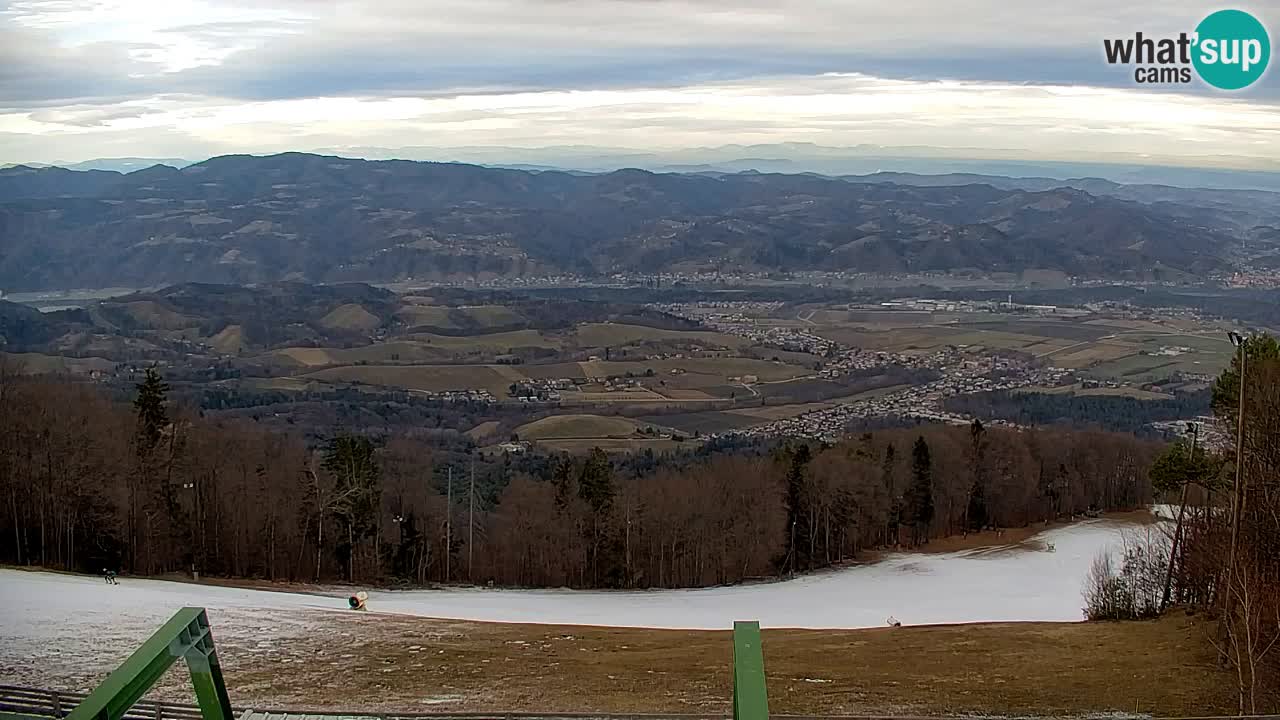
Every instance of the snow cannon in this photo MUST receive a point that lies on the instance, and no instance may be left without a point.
(358, 600)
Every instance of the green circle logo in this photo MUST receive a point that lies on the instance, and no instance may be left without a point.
(1232, 49)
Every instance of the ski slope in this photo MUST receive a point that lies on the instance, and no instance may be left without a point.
(72, 628)
(1025, 583)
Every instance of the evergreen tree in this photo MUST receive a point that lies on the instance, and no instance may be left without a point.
(150, 406)
(595, 482)
(1258, 350)
(919, 501)
(976, 509)
(357, 493)
(562, 479)
(596, 489)
(798, 528)
(894, 517)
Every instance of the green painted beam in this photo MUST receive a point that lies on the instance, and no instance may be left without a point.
(187, 637)
(750, 698)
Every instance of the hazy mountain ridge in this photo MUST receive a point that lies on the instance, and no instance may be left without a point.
(297, 216)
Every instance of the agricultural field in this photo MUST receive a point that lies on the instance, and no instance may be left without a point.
(577, 427)
(36, 363)
(1106, 348)
(406, 352)
(429, 378)
(1078, 389)
(613, 446)
(705, 422)
(476, 318)
(499, 342)
(609, 334)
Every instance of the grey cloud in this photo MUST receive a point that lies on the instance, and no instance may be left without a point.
(36, 73)
(407, 47)
(91, 116)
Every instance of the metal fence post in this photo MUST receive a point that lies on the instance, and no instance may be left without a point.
(750, 698)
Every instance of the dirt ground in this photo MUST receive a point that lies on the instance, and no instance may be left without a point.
(378, 662)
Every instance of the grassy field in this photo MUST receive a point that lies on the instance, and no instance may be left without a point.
(499, 342)
(390, 352)
(1079, 356)
(425, 316)
(709, 421)
(602, 334)
(229, 339)
(1103, 347)
(350, 317)
(580, 426)
(433, 378)
(577, 446)
(387, 663)
(764, 413)
(37, 363)
(1077, 389)
(477, 317)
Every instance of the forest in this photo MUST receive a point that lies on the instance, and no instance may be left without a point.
(1220, 557)
(154, 487)
(1108, 412)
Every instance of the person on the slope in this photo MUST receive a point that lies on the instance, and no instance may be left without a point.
(109, 576)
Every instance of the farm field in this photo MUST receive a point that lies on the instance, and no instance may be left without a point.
(583, 426)
(430, 378)
(578, 446)
(1078, 389)
(499, 342)
(1105, 348)
(476, 317)
(391, 352)
(607, 334)
(708, 421)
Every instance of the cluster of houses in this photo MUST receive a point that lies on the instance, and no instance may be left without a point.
(961, 374)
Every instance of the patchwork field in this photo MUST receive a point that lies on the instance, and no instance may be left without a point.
(496, 342)
(431, 378)
(583, 426)
(617, 445)
(608, 334)
(476, 317)
(1105, 348)
(710, 421)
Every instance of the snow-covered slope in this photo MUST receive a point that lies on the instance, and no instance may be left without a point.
(1009, 584)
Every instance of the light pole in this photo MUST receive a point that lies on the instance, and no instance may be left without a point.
(1237, 503)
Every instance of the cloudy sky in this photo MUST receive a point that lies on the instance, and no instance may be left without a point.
(83, 79)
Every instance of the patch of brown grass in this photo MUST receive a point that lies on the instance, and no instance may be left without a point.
(377, 662)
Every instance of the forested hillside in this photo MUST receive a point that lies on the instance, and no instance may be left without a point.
(153, 488)
(244, 219)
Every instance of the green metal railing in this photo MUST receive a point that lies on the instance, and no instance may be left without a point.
(185, 637)
(750, 699)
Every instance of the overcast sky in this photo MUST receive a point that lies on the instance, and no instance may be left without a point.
(83, 79)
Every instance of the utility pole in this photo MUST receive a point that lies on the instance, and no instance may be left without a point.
(471, 518)
(448, 526)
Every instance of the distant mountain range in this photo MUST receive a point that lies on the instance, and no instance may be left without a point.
(295, 216)
(120, 165)
(799, 157)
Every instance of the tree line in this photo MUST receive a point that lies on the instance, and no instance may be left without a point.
(1110, 412)
(152, 487)
(1222, 556)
